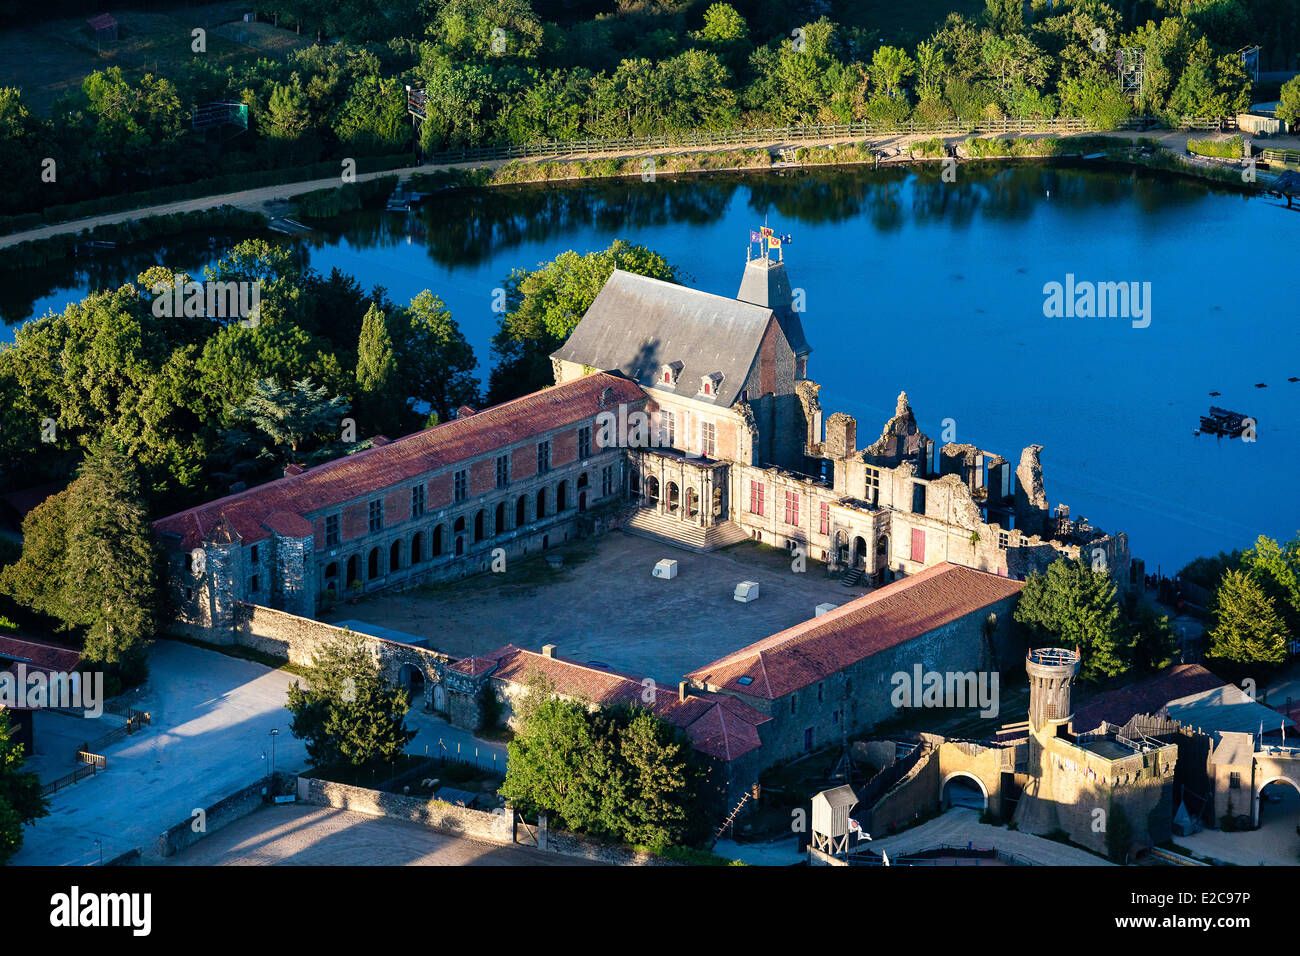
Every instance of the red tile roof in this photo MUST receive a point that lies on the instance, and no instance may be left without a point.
(37, 655)
(718, 725)
(821, 646)
(249, 513)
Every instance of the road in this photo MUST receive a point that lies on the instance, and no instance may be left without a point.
(323, 836)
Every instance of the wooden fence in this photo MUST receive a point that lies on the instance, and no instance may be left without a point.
(805, 133)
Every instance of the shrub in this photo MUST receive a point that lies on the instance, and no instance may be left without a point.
(1222, 148)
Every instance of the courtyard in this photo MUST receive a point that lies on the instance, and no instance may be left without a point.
(603, 606)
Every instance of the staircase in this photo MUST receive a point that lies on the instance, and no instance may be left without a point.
(647, 523)
(852, 577)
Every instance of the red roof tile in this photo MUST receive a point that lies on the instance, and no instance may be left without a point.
(821, 646)
(718, 725)
(377, 468)
(37, 655)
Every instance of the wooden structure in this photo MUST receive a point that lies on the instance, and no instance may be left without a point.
(1223, 423)
(103, 27)
(1286, 186)
(830, 820)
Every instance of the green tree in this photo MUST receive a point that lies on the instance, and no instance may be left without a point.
(660, 777)
(544, 305)
(1288, 108)
(90, 559)
(1154, 640)
(1246, 628)
(21, 803)
(277, 426)
(437, 363)
(1277, 568)
(890, 66)
(348, 715)
(1072, 605)
(553, 762)
(379, 399)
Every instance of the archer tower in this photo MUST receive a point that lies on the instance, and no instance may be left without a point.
(1051, 671)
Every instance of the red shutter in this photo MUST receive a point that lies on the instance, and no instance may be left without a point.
(918, 545)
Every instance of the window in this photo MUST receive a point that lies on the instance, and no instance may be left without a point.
(460, 485)
(584, 441)
(792, 703)
(417, 501)
(791, 507)
(254, 585)
(756, 497)
(253, 554)
(331, 531)
(821, 693)
(376, 515)
(708, 439)
(1004, 539)
(708, 388)
(873, 486)
(918, 498)
(918, 545)
(607, 481)
(1234, 781)
(503, 470)
(667, 429)
(824, 518)
(543, 456)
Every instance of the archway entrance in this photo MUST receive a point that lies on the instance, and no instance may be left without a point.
(962, 789)
(859, 553)
(1277, 806)
(651, 491)
(411, 678)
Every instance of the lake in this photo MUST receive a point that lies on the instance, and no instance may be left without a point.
(935, 288)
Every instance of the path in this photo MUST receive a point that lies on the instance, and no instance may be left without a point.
(323, 836)
(960, 826)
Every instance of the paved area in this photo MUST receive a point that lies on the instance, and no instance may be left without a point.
(59, 736)
(323, 836)
(1275, 843)
(604, 606)
(962, 825)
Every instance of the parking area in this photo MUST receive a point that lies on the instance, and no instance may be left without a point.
(604, 606)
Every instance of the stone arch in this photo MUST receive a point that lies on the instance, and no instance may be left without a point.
(673, 498)
(842, 548)
(945, 796)
(480, 525)
(692, 503)
(499, 518)
(1259, 792)
(634, 484)
(395, 555)
(651, 491)
(459, 526)
(859, 552)
(521, 511)
(417, 547)
(561, 496)
(412, 679)
(541, 503)
(437, 540)
(372, 564)
(354, 570)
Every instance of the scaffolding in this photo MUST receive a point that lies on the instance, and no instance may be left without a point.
(1250, 61)
(1132, 64)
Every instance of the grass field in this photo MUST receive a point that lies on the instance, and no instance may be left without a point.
(49, 58)
(901, 23)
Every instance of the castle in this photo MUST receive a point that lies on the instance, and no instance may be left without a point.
(739, 449)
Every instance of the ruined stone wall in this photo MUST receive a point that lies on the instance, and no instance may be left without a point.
(437, 815)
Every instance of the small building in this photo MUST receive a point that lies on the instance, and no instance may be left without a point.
(103, 28)
(34, 656)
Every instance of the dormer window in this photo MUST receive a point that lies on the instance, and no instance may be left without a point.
(710, 383)
(668, 373)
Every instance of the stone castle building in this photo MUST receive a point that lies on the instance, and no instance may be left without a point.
(737, 448)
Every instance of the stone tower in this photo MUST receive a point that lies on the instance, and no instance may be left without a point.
(1051, 671)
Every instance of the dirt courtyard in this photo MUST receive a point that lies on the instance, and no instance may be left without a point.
(604, 607)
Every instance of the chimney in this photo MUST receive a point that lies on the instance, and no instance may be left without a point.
(548, 650)
(682, 693)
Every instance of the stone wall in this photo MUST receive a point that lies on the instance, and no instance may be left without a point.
(495, 827)
(222, 813)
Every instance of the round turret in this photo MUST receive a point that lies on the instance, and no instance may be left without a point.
(1051, 670)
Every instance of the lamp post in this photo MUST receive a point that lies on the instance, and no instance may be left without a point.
(275, 732)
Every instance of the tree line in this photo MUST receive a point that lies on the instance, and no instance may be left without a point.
(498, 72)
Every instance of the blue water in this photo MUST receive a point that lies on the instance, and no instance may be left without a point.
(937, 289)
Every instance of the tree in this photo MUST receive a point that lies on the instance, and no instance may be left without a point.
(21, 803)
(1246, 628)
(1154, 640)
(278, 426)
(553, 761)
(1288, 107)
(437, 363)
(654, 808)
(90, 559)
(543, 307)
(348, 715)
(1073, 605)
(723, 26)
(931, 70)
(890, 66)
(1095, 97)
(1277, 568)
(379, 400)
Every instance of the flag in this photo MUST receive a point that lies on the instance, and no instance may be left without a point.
(884, 857)
(787, 239)
(766, 231)
(774, 242)
(754, 236)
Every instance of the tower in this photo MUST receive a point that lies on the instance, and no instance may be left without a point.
(1051, 671)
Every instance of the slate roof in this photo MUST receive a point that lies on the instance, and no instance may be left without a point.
(281, 504)
(765, 283)
(1146, 696)
(718, 725)
(821, 646)
(636, 325)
